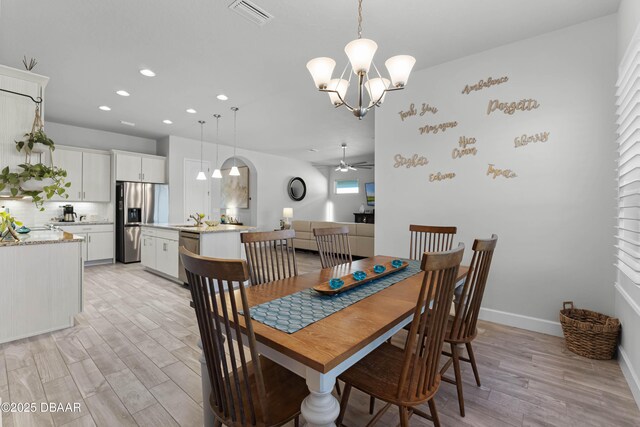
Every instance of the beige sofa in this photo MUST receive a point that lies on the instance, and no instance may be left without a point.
(360, 236)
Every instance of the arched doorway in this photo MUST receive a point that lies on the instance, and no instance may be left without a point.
(246, 215)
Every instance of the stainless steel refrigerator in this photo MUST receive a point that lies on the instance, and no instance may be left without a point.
(136, 204)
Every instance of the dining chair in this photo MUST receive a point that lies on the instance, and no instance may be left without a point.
(462, 327)
(271, 255)
(333, 245)
(429, 238)
(256, 392)
(409, 377)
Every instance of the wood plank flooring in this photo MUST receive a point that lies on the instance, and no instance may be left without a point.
(132, 359)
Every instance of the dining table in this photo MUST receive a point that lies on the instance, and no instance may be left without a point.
(321, 351)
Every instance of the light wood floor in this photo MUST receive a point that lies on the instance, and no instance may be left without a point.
(132, 359)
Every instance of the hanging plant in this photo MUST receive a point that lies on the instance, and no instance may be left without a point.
(7, 226)
(38, 181)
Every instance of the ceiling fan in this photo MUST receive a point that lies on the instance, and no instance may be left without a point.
(346, 167)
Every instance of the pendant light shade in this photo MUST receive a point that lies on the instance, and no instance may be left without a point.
(376, 88)
(360, 53)
(201, 175)
(216, 172)
(339, 85)
(234, 171)
(321, 70)
(399, 68)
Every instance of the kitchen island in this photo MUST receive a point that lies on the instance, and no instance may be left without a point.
(41, 283)
(160, 243)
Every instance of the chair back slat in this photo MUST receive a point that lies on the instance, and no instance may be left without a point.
(465, 321)
(427, 238)
(271, 255)
(420, 373)
(218, 307)
(333, 245)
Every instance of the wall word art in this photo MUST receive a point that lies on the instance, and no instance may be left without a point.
(426, 108)
(484, 83)
(512, 107)
(410, 162)
(525, 139)
(495, 172)
(437, 128)
(441, 176)
(463, 150)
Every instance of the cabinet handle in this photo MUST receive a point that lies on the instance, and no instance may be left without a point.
(164, 247)
(83, 195)
(143, 176)
(79, 195)
(89, 237)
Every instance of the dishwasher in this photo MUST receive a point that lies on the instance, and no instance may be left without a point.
(191, 242)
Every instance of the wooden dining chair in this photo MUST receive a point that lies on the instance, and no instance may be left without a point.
(333, 245)
(409, 377)
(271, 255)
(462, 327)
(254, 392)
(428, 238)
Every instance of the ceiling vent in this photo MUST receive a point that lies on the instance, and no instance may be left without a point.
(251, 12)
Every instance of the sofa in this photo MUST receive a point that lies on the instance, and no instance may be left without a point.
(360, 236)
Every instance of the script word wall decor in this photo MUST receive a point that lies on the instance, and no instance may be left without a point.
(525, 139)
(426, 108)
(495, 172)
(438, 176)
(437, 128)
(512, 107)
(463, 150)
(483, 84)
(409, 162)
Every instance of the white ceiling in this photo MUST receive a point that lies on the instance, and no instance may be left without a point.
(199, 48)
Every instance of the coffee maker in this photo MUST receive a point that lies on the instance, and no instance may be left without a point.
(68, 214)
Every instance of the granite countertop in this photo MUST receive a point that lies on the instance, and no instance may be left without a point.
(67, 223)
(43, 237)
(221, 228)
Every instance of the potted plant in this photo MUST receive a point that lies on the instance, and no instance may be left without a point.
(7, 224)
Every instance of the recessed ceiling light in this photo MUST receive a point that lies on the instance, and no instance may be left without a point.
(222, 97)
(147, 72)
(127, 123)
(167, 122)
(313, 150)
(122, 92)
(104, 108)
(191, 111)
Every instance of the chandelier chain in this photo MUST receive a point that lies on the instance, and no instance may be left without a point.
(359, 19)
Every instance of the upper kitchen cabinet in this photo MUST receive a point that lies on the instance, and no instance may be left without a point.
(140, 167)
(88, 171)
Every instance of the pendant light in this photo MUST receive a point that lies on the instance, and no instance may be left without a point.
(201, 176)
(216, 173)
(234, 170)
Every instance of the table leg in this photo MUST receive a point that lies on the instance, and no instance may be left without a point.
(320, 408)
(206, 389)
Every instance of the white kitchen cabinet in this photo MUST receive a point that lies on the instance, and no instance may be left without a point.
(148, 251)
(96, 177)
(159, 251)
(100, 246)
(153, 170)
(167, 256)
(140, 168)
(89, 173)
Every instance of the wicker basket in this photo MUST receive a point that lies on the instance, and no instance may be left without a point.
(588, 333)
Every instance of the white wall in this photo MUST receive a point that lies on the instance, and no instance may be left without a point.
(554, 220)
(98, 139)
(342, 206)
(627, 293)
(272, 175)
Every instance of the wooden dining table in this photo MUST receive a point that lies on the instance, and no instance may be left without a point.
(323, 350)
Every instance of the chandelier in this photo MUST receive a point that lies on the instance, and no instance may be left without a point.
(360, 53)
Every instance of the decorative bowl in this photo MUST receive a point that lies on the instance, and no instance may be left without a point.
(396, 263)
(23, 230)
(359, 275)
(212, 223)
(379, 268)
(336, 283)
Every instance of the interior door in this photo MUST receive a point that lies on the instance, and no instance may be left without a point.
(71, 161)
(197, 194)
(96, 177)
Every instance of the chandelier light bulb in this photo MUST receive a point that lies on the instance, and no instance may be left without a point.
(216, 174)
(360, 53)
(339, 85)
(399, 68)
(376, 89)
(234, 171)
(321, 70)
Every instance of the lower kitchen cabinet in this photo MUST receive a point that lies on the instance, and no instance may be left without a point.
(98, 242)
(159, 251)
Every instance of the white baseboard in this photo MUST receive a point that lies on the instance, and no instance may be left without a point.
(523, 322)
(630, 374)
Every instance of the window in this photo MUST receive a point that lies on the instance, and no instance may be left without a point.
(347, 186)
